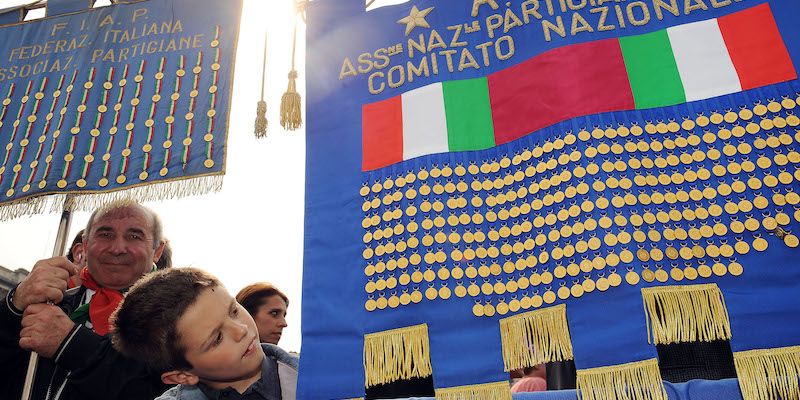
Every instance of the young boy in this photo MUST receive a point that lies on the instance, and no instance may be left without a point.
(183, 322)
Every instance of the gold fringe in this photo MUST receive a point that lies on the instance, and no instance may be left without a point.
(484, 391)
(535, 337)
(769, 373)
(88, 202)
(355, 398)
(686, 314)
(261, 119)
(290, 105)
(396, 354)
(633, 381)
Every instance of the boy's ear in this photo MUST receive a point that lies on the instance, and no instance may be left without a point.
(176, 377)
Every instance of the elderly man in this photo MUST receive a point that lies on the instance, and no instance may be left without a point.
(77, 361)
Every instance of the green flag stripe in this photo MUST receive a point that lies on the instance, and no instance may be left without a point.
(652, 71)
(469, 114)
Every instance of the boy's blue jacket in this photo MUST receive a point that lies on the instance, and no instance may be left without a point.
(287, 374)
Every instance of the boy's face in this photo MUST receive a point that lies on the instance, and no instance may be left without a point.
(220, 341)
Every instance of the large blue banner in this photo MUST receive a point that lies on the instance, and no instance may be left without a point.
(491, 185)
(118, 97)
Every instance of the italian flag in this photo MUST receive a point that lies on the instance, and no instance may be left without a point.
(683, 63)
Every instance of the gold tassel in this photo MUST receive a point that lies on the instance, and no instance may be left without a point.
(484, 391)
(686, 314)
(162, 190)
(535, 337)
(633, 381)
(769, 373)
(261, 109)
(290, 101)
(396, 354)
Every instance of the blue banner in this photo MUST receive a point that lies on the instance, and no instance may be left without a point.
(469, 162)
(117, 97)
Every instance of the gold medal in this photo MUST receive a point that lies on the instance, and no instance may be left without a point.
(735, 269)
(719, 269)
(563, 293)
(704, 271)
(632, 278)
(614, 279)
(676, 274)
(661, 275)
(690, 273)
(760, 244)
(791, 240)
(143, 175)
(208, 163)
(671, 253)
(648, 275)
(549, 297)
(121, 179)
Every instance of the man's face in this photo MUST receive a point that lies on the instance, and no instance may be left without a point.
(271, 319)
(220, 341)
(119, 248)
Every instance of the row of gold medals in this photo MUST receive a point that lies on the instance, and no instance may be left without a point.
(774, 224)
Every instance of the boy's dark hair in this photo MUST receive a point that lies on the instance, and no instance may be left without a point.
(144, 325)
(253, 296)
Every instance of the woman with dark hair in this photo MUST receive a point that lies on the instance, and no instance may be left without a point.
(268, 307)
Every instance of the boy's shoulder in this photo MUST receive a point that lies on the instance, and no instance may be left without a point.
(273, 351)
(183, 392)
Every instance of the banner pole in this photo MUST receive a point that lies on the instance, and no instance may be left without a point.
(58, 249)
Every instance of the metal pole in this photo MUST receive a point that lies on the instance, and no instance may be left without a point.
(58, 249)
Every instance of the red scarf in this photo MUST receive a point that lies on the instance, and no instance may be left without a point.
(103, 303)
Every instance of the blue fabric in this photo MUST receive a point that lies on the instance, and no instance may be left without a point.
(12, 14)
(58, 7)
(115, 36)
(607, 328)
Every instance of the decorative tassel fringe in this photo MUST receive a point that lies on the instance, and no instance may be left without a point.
(633, 381)
(290, 105)
(769, 373)
(401, 353)
(484, 391)
(535, 337)
(686, 314)
(261, 119)
(87, 202)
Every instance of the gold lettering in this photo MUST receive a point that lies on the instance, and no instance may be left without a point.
(572, 6)
(348, 70)
(96, 53)
(510, 16)
(620, 17)
(499, 52)
(392, 83)
(380, 54)
(457, 32)
(370, 86)
(632, 17)
(365, 59)
(196, 42)
(672, 7)
(718, 4)
(526, 12)
(601, 26)
(439, 41)
(465, 54)
(478, 3)
(138, 13)
(698, 5)
(585, 27)
(448, 55)
(414, 45)
(418, 71)
(482, 47)
(492, 26)
(107, 21)
(558, 28)
(58, 26)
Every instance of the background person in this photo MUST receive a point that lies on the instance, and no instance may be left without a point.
(268, 307)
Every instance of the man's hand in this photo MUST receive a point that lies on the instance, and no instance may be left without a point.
(47, 281)
(44, 327)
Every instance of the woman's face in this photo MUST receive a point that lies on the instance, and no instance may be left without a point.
(271, 319)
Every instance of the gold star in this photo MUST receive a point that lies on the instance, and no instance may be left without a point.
(416, 18)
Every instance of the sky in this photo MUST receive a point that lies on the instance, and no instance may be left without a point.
(251, 230)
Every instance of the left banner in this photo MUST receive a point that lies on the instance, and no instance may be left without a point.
(125, 101)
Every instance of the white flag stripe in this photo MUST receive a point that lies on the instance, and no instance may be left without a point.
(703, 61)
(424, 122)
